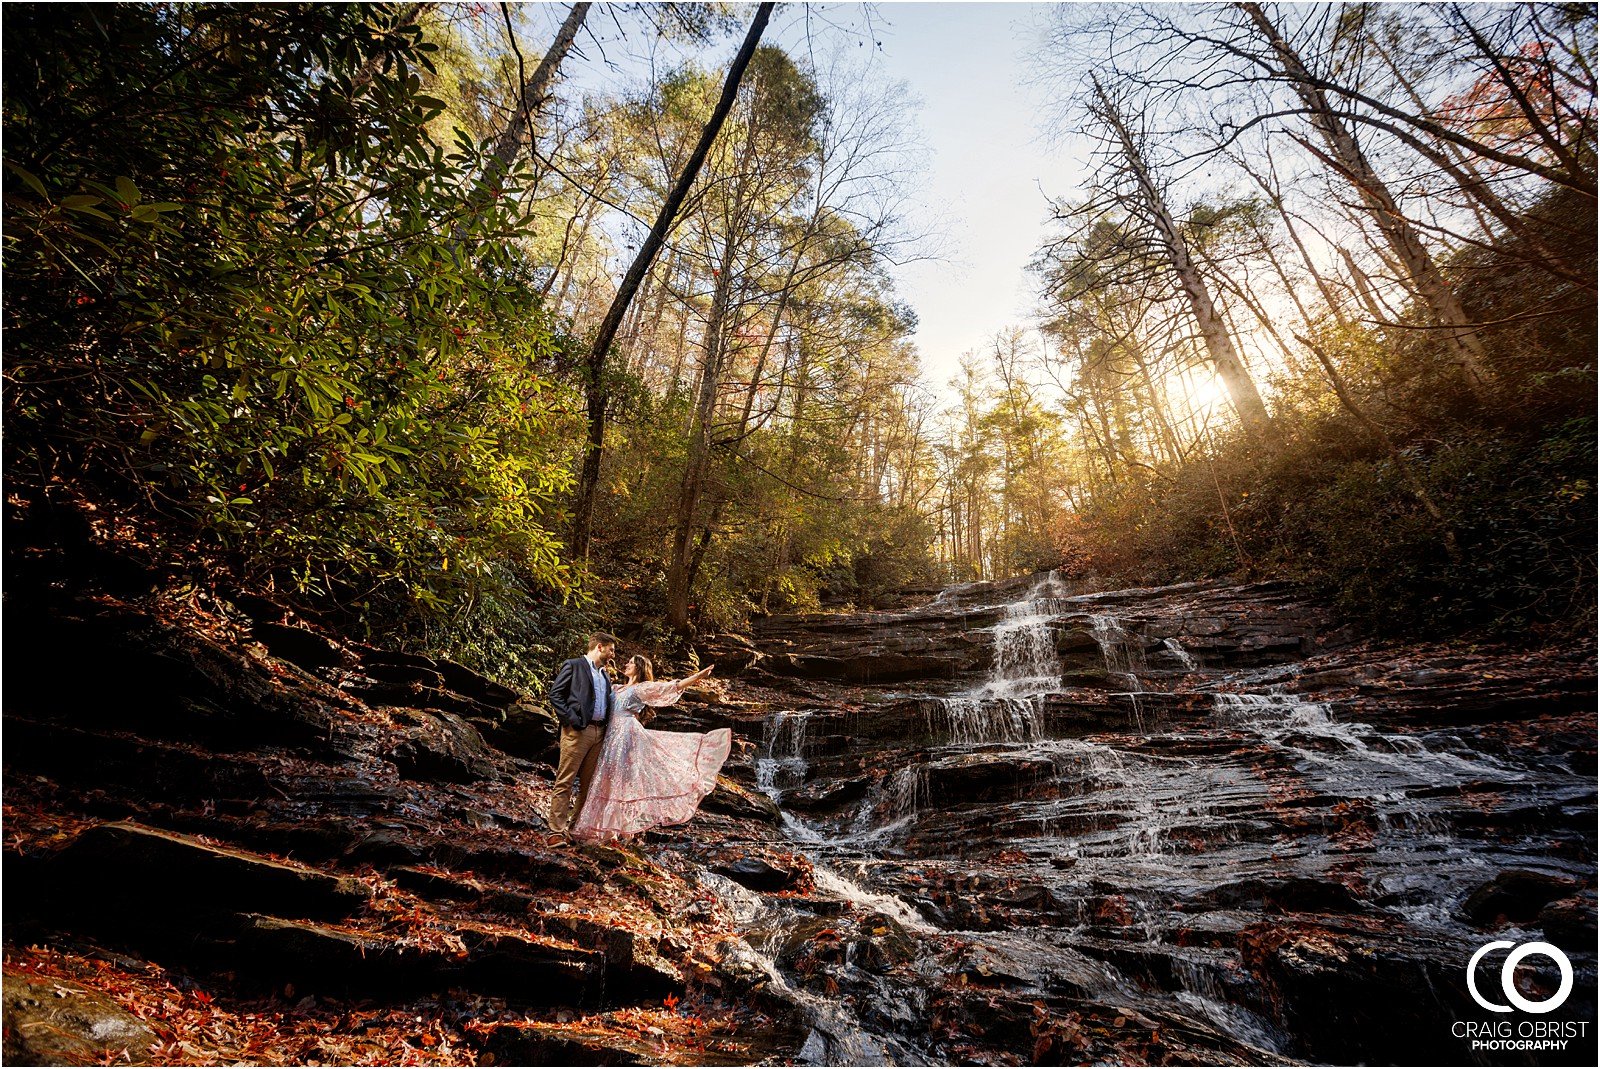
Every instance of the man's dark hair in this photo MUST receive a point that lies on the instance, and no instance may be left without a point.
(600, 638)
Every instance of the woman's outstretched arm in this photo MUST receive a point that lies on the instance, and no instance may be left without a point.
(668, 691)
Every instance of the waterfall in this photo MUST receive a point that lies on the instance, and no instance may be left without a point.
(968, 720)
(782, 764)
(1116, 850)
(1008, 705)
(1269, 711)
(1183, 656)
(891, 803)
(1350, 747)
(1124, 654)
(782, 767)
(837, 1035)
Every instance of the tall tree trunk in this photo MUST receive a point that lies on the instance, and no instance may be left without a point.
(535, 91)
(595, 387)
(1381, 318)
(1167, 437)
(577, 252)
(1242, 392)
(679, 578)
(1345, 156)
(681, 348)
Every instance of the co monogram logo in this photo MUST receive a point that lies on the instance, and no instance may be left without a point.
(1508, 973)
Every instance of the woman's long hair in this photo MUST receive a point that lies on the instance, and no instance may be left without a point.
(645, 671)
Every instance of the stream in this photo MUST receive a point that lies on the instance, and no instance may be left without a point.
(1196, 823)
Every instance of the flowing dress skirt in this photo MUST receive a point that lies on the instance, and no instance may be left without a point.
(649, 779)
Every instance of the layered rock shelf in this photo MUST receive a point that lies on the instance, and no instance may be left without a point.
(1025, 822)
(1205, 808)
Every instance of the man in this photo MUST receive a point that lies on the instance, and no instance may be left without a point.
(583, 699)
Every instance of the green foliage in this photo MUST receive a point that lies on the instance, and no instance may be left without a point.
(247, 287)
(1333, 511)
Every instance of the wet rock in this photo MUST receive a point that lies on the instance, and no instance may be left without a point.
(475, 686)
(388, 846)
(160, 874)
(736, 801)
(55, 1022)
(732, 654)
(824, 794)
(1515, 895)
(324, 959)
(931, 642)
(615, 944)
(442, 746)
(759, 874)
(974, 777)
(811, 941)
(1569, 922)
(1293, 895)
(527, 729)
(520, 859)
(881, 944)
(818, 905)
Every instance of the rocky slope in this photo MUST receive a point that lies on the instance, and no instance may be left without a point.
(1019, 822)
(1198, 817)
(232, 836)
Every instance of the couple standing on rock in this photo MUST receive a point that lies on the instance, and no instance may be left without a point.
(620, 778)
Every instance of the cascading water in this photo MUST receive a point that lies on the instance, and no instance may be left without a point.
(1136, 860)
(890, 804)
(782, 764)
(1124, 654)
(836, 1036)
(1008, 705)
(1181, 655)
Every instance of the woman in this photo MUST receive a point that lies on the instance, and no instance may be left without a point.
(648, 779)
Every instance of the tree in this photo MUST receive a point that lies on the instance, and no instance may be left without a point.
(596, 393)
(233, 297)
(1344, 154)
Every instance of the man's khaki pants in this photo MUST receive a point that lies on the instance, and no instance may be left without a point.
(580, 752)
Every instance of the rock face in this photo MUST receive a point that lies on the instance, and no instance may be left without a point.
(1159, 822)
(214, 807)
(162, 873)
(951, 638)
(1023, 822)
(61, 1023)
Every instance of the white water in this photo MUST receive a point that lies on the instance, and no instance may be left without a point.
(1170, 815)
(832, 882)
(1183, 656)
(838, 1036)
(890, 804)
(1008, 706)
(1349, 748)
(1124, 654)
(782, 764)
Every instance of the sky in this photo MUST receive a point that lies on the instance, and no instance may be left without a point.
(988, 171)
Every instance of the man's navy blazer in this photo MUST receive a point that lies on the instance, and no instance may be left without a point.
(572, 694)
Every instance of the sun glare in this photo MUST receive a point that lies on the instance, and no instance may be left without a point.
(1205, 394)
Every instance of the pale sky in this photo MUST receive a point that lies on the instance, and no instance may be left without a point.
(966, 62)
(964, 67)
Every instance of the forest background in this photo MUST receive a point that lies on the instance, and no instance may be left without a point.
(318, 297)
